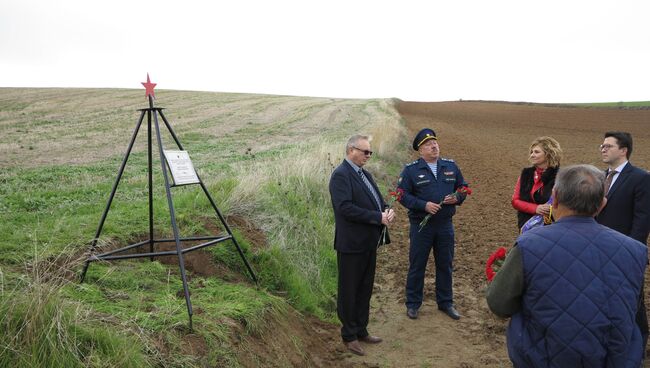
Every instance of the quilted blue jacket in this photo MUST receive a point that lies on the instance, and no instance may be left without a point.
(582, 284)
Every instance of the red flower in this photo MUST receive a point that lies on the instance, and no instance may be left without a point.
(495, 259)
(463, 190)
(394, 196)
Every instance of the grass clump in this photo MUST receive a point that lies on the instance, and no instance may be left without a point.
(42, 328)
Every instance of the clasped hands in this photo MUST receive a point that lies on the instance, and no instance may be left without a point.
(387, 216)
(543, 209)
(433, 208)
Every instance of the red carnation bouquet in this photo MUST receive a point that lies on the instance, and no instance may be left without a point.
(393, 196)
(494, 263)
(462, 190)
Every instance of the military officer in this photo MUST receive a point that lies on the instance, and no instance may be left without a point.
(430, 184)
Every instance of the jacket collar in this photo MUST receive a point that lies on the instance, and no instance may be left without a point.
(576, 219)
(354, 167)
(620, 168)
(622, 177)
(355, 173)
(424, 164)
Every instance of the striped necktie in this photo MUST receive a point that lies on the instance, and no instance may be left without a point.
(608, 180)
(372, 190)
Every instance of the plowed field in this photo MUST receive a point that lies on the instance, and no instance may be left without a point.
(489, 141)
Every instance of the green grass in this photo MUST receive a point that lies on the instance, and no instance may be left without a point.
(149, 295)
(42, 328)
(266, 159)
(620, 104)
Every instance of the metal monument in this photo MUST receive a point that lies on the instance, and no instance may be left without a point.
(182, 173)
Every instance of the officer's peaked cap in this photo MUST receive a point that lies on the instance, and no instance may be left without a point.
(423, 136)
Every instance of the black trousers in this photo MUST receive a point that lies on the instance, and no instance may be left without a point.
(356, 280)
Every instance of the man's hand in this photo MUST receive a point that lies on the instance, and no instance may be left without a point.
(387, 216)
(450, 199)
(432, 208)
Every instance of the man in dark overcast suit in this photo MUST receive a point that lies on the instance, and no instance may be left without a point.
(628, 196)
(360, 216)
(627, 189)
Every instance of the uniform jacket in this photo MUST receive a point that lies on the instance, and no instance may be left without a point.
(421, 186)
(358, 220)
(582, 292)
(628, 204)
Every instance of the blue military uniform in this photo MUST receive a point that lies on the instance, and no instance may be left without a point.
(420, 186)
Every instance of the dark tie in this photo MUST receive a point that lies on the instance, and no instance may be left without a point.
(372, 190)
(608, 180)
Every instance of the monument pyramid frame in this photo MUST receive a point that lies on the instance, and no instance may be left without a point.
(152, 114)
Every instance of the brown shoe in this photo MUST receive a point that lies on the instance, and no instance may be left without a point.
(371, 339)
(355, 347)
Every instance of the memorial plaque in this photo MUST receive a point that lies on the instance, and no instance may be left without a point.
(181, 167)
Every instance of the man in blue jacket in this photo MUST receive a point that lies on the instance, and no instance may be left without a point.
(430, 185)
(573, 288)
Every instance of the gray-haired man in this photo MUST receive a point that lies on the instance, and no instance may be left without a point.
(359, 214)
(573, 288)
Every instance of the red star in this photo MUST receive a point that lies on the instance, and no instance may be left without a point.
(149, 87)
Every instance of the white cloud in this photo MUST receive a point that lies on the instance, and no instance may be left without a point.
(553, 51)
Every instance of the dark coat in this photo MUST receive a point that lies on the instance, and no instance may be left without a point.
(628, 204)
(358, 220)
(541, 196)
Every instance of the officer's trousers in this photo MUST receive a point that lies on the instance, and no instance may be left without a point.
(440, 237)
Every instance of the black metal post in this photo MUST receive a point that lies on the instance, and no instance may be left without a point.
(181, 262)
(110, 198)
(150, 167)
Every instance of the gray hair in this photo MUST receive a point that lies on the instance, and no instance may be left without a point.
(352, 142)
(581, 188)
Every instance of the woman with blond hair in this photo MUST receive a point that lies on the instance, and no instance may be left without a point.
(533, 188)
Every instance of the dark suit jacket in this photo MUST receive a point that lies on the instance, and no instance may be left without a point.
(358, 220)
(628, 204)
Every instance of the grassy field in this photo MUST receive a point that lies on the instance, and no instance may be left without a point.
(264, 159)
(621, 104)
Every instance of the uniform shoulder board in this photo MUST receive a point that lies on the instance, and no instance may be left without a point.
(446, 159)
(412, 163)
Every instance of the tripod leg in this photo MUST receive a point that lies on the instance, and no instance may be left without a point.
(181, 262)
(110, 198)
(214, 206)
(150, 160)
(171, 131)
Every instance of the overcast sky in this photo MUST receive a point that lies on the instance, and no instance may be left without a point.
(539, 51)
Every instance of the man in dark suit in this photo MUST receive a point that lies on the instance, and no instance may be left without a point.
(360, 216)
(628, 193)
(627, 189)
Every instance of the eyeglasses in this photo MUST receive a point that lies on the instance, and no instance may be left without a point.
(365, 152)
(605, 147)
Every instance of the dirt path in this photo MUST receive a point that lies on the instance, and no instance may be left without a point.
(490, 142)
(433, 340)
